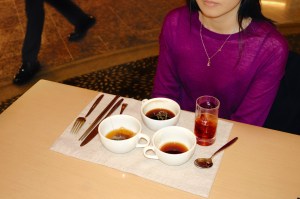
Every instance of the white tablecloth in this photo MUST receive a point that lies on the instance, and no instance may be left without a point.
(185, 177)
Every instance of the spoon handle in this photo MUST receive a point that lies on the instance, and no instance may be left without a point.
(226, 145)
(124, 105)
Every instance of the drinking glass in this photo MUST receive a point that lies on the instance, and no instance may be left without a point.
(206, 119)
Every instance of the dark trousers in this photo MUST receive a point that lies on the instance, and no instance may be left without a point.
(35, 21)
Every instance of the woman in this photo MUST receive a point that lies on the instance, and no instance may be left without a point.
(223, 48)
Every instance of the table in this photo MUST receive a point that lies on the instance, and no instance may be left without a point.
(263, 163)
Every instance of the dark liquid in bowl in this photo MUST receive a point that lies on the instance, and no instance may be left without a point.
(174, 148)
(120, 134)
(160, 114)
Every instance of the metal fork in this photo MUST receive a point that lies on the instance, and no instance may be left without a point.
(81, 120)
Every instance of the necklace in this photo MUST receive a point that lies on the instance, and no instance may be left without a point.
(219, 50)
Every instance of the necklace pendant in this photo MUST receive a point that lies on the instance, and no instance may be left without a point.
(219, 50)
(208, 62)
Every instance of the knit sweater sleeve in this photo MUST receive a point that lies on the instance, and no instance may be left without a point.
(166, 81)
(261, 93)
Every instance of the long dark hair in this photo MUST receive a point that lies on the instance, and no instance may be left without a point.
(248, 8)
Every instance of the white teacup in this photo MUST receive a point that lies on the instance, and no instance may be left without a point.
(159, 103)
(118, 126)
(172, 145)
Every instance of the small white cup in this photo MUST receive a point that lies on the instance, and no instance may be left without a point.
(171, 134)
(122, 121)
(157, 103)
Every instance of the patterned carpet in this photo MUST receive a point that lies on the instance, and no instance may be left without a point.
(132, 79)
(294, 42)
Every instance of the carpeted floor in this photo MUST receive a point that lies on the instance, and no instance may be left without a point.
(294, 42)
(132, 79)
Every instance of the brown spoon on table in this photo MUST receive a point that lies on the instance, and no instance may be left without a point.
(207, 162)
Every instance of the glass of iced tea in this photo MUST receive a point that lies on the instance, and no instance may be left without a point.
(206, 119)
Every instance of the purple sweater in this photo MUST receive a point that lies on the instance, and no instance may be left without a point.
(244, 76)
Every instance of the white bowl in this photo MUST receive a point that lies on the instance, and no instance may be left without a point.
(171, 134)
(122, 121)
(159, 103)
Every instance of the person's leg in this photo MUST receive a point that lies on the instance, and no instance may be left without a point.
(32, 41)
(35, 21)
(75, 15)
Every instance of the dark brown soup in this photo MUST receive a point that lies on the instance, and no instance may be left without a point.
(120, 134)
(160, 114)
(174, 148)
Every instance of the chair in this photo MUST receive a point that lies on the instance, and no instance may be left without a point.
(285, 111)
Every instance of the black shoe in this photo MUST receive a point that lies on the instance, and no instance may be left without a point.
(82, 29)
(26, 72)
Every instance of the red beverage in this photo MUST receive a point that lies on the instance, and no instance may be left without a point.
(205, 129)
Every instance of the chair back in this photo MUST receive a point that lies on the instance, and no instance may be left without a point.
(285, 111)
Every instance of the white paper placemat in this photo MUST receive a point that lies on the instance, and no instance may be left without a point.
(185, 177)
